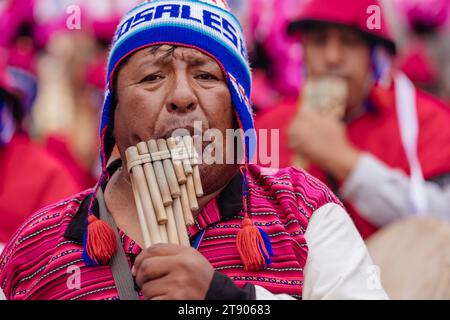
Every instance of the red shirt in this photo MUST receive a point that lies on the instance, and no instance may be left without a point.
(29, 180)
(377, 132)
(58, 147)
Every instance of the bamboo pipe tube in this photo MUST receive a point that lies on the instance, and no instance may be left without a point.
(144, 195)
(187, 212)
(180, 222)
(177, 163)
(171, 226)
(160, 175)
(184, 155)
(141, 215)
(169, 170)
(163, 233)
(196, 174)
(193, 203)
(194, 162)
(197, 182)
(152, 183)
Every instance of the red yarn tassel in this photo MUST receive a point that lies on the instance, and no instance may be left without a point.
(101, 242)
(250, 245)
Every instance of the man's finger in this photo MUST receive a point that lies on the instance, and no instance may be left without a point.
(156, 288)
(157, 250)
(161, 298)
(153, 268)
(164, 249)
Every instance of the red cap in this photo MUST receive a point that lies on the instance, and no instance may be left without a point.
(364, 15)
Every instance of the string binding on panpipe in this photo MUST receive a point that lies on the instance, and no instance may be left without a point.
(166, 183)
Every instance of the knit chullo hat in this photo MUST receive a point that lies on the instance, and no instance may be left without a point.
(210, 27)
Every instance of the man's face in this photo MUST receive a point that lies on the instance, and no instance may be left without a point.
(339, 51)
(161, 89)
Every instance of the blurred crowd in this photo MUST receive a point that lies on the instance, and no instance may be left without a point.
(53, 57)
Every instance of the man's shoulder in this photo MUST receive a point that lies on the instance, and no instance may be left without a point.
(434, 137)
(45, 227)
(56, 214)
(431, 109)
(432, 101)
(296, 182)
(39, 247)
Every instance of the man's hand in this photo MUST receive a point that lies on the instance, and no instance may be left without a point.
(172, 272)
(322, 139)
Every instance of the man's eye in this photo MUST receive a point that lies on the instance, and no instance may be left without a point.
(151, 78)
(352, 40)
(318, 37)
(206, 76)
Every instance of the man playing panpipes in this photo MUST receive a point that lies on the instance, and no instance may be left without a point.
(259, 233)
(388, 156)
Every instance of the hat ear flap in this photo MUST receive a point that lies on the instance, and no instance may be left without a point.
(107, 140)
(244, 117)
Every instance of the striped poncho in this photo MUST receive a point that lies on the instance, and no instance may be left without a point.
(44, 257)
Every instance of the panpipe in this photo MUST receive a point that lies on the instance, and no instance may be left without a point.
(166, 183)
(326, 95)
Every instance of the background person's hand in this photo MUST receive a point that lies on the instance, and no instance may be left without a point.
(322, 140)
(173, 272)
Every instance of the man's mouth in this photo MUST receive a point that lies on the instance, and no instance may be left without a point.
(182, 130)
(179, 132)
(334, 76)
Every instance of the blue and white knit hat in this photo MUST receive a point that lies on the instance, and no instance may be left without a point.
(206, 25)
(210, 27)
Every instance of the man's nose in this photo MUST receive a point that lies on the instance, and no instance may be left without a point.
(333, 52)
(182, 98)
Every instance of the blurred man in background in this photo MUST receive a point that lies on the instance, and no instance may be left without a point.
(29, 177)
(389, 130)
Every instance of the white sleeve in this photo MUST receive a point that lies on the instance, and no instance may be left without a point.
(384, 197)
(2, 296)
(338, 265)
(264, 294)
